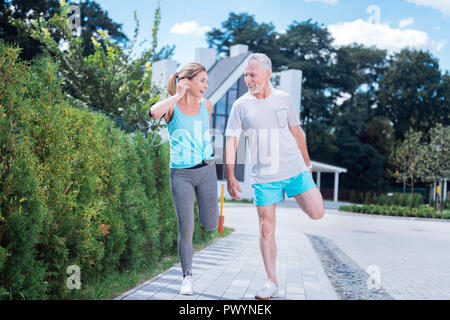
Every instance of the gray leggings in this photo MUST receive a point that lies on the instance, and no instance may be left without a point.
(184, 185)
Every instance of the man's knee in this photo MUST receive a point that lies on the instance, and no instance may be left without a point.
(267, 228)
(317, 213)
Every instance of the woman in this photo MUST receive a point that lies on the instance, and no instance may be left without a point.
(192, 166)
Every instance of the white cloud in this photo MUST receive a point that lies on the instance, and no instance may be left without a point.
(441, 5)
(343, 96)
(405, 22)
(189, 28)
(324, 1)
(382, 36)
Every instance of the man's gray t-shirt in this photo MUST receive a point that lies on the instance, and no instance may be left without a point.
(274, 153)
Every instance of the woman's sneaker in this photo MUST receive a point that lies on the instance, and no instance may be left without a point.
(270, 290)
(187, 287)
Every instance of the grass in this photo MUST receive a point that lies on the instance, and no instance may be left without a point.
(113, 285)
(237, 201)
(422, 211)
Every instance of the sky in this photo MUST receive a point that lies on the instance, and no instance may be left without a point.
(387, 24)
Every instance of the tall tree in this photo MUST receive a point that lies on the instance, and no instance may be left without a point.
(93, 17)
(436, 156)
(242, 28)
(24, 9)
(408, 157)
(111, 79)
(409, 93)
(364, 163)
(356, 74)
(307, 46)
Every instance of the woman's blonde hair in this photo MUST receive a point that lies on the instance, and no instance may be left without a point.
(189, 71)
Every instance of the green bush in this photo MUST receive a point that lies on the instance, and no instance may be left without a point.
(420, 211)
(74, 190)
(397, 210)
(367, 198)
(417, 200)
(360, 197)
(381, 199)
(353, 198)
(384, 210)
(446, 204)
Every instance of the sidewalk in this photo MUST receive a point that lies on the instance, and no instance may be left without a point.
(232, 267)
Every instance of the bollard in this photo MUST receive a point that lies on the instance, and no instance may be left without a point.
(221, 217)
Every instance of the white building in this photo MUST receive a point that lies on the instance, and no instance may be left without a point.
(225, 85)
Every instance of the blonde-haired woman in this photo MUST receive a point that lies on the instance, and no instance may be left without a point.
(192, 166)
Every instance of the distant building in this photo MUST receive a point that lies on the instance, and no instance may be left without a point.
(225, 85)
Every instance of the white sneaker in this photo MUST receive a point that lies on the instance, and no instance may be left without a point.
(187, 287)
(270, 290)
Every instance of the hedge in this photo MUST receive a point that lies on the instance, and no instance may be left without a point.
(397, 198)
(421, 211)
(74, 190)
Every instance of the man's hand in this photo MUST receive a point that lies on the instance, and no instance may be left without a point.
(233, 188)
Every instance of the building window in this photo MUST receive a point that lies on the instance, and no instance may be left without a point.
(220, 116)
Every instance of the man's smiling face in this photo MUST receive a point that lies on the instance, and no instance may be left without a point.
(256, 76)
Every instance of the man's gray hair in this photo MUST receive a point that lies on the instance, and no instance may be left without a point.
(262, 58)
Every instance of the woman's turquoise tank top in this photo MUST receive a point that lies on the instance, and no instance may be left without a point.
(190, 139)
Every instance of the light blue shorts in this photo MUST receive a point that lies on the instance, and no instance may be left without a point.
(272, 192)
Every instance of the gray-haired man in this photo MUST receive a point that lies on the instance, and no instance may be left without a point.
(279, 158)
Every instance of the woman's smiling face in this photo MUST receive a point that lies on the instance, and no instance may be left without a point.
(198, 84)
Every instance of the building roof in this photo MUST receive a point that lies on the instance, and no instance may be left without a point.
(221, 70)
(323, 167)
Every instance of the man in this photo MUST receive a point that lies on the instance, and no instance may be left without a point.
(279, 158)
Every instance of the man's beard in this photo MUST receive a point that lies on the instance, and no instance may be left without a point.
(256, 89)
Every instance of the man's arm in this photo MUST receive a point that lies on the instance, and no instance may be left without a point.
(301, 143)
(230, 158)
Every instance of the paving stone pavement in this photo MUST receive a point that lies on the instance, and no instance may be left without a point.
(232, 269)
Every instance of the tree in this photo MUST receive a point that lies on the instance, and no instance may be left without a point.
(436, 157)
(92, 18)
(359, 68)
(23, 9)
(365, 165)
(307, 46)
(109, 79)
(407, 158)
(410, 92)
(242, 28)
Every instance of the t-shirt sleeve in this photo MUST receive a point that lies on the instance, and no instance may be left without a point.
(292, 116)
(234, 125)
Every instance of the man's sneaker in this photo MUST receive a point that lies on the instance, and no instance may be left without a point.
(270, 290)
(187, 286)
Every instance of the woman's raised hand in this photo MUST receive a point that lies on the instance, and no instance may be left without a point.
(182, 86)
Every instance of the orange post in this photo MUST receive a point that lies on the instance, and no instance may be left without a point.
(221, 217)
